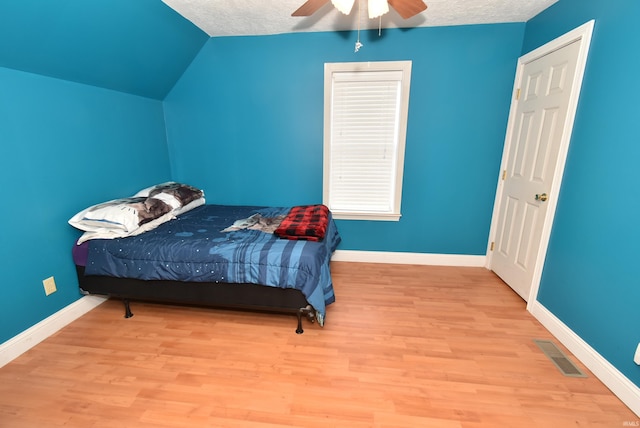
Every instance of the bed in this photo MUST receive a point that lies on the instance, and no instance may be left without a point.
(273, 259)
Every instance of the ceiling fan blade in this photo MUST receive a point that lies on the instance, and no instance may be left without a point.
(309, 7)
(408, 8)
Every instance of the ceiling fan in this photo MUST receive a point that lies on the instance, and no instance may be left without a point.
(405, 8)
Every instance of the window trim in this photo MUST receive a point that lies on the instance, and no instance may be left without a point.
(350, 67)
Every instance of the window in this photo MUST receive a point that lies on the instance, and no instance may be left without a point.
(365, 122)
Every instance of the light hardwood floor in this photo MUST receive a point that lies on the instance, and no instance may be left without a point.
(403, 346)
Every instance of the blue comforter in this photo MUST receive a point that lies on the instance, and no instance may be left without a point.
(194, 248)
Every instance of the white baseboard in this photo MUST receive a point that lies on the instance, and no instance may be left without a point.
(409, 258)
(618, 383)
(17, 345)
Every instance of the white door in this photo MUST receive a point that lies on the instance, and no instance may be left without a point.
(547, 87)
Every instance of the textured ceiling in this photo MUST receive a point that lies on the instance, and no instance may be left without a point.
(260, 17)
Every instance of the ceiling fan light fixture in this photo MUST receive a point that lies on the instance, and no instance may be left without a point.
(377, 8)
(344, 6)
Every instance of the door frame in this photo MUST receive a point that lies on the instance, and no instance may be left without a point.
(581, 34)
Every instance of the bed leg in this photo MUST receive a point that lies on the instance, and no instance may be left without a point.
(299, 330)
(127, 308)
(309, 313)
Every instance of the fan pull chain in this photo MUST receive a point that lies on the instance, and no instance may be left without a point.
(358, 44)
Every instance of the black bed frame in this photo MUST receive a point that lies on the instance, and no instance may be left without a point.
(209, 294)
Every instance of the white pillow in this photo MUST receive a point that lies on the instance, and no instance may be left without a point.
(119, 233)
(191, 205)
(182, 193)
(106, 233)
(125, 214)
(140, 213)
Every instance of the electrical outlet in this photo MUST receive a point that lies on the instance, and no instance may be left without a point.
(49, 285)
(636, 358)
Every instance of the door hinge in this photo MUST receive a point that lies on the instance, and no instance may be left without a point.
(504, 175)
(517, 94)
(493, 244)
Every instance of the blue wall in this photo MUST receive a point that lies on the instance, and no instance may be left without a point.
(63, 146)
(590, 280)
(254, 104)
(245, 122)
(135, 46)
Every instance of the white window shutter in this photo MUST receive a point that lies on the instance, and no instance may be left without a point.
(364, 142)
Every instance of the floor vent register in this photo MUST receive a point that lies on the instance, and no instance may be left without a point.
(557, 357)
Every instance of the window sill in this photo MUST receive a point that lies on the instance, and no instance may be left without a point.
(365, 216)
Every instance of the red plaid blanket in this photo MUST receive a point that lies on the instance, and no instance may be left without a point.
(304, 222)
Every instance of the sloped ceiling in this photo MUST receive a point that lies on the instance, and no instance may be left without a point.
(142, 47)
(260, 17)
(136, 46)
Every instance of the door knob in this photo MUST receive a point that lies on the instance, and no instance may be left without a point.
(543, 197)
